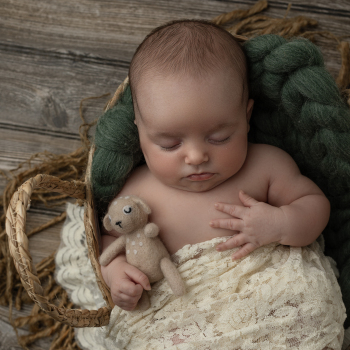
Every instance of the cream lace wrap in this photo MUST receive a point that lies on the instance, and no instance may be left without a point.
(278, 297)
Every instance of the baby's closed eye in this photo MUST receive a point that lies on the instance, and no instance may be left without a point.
(219, 141)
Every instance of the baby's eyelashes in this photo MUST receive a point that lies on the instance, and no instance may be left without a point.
(170, 148)
(218, 142)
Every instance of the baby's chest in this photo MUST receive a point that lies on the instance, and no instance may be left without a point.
(188, 209)
(185, 218)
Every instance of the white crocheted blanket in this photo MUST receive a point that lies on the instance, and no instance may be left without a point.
(278, 297)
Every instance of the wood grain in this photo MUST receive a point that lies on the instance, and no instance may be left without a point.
(55, 53)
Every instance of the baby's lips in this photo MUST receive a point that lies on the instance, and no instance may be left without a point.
(200, 177)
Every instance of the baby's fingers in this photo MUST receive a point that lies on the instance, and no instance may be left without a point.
(230, 224)
(137, 276)
(236, 211)
(130, 289)
(129, 301)
(234, 242)
(245, 250)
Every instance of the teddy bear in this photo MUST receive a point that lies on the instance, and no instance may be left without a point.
(143, 248)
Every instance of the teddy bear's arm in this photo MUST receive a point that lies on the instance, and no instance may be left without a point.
(151, 230)
(112, 251)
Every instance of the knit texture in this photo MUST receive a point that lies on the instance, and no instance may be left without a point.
(298, 108)
(117, 151)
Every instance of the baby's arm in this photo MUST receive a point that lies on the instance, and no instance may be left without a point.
(296, 213)
(125, 281)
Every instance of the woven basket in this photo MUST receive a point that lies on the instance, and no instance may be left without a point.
(18, 241)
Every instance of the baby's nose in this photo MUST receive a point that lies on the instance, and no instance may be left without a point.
(196, 156)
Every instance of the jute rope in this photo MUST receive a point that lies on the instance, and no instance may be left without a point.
(71, 167)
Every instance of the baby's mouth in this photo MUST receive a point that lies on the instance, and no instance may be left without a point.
(200, 177)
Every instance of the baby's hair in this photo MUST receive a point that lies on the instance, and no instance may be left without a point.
(189, 47)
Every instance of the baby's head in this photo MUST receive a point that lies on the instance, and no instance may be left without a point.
(190, 93)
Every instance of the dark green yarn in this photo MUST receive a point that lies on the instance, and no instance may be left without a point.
(117, 151)
(298, 108)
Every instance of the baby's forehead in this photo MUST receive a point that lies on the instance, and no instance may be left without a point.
(226, 78)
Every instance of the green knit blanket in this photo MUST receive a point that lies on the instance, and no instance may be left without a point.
(298, 108)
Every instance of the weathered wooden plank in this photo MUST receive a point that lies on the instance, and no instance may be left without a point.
(43, 93)
(98, 27)
(44, 243)
(18, 146)
(337, 8)
(8, 338)
(41, 245)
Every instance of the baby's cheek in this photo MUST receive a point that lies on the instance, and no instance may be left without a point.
(164, 168)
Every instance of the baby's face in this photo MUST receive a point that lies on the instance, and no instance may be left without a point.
(193, 133)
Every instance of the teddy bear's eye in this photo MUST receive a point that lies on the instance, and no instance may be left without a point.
(127, 209)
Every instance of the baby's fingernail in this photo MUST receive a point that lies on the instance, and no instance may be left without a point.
(218, 249)
(148, 287)
(211, 223)
(216, 204)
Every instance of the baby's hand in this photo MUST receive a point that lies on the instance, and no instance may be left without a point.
(258, 224)
(126, 283)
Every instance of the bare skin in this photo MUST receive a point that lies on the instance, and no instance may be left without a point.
(252, 192)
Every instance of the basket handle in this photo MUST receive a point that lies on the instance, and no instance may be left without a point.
(18, 245)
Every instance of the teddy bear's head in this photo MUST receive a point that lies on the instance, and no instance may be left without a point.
(126, 214)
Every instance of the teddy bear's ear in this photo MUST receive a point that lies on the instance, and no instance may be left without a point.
(142, 204)
(107, 223)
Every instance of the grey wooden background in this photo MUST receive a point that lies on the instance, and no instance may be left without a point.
(55, 53)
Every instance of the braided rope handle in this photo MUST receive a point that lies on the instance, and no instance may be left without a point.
(120, 89)
(18, 245)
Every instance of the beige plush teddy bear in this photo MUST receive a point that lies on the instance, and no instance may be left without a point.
(140, 241)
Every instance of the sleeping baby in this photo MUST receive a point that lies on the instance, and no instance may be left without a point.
(240, 214)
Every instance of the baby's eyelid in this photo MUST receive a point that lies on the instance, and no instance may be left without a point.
(170, 148)
(221, 140)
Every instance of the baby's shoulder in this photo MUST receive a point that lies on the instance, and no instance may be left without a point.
(267, 153)
(137, 180)
(270, 158)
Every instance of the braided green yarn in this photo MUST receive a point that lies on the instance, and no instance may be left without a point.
(298, 108)
(117, 150)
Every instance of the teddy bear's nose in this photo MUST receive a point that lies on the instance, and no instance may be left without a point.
(119, 223)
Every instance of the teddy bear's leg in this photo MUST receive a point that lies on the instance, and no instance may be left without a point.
(143, 303)
(173, 277)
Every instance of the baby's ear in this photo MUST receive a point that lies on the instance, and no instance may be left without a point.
(107, 223)
(250, 106)
(142, 204)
